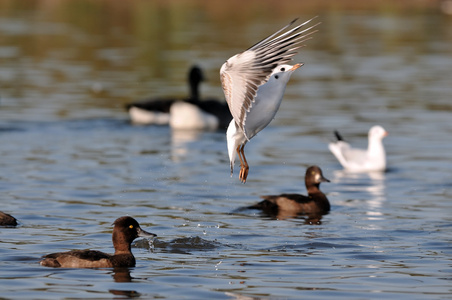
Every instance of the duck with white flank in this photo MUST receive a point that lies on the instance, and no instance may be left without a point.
(361, 160)
(254, 82)
(188, 113)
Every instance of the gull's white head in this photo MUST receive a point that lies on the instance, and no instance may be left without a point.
(282, 73)
(377, 132)
(276, 83)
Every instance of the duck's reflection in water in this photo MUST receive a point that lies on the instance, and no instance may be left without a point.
(123, 275)
(309, 219)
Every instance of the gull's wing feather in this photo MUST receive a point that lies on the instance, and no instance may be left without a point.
(347, 155)
(355, 156)
(242, 74)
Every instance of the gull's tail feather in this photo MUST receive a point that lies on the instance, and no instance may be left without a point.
(338, 136)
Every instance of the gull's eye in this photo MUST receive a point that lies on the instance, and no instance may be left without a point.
(283, 69)
(130, 226)
(276, 76)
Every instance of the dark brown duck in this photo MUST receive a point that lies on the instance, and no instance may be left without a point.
(7, 220)
(125, 230)
(291, 205)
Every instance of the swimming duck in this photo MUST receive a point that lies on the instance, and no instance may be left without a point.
(361, 160)
(125, 230)
(188, 113)
(7, 220)
(291, 205)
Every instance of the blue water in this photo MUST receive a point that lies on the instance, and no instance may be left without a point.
(71, 162)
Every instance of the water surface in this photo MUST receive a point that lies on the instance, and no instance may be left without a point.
(72, 163)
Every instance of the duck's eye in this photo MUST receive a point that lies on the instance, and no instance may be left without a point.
(276, 76)
(130, 226)
(283, 69)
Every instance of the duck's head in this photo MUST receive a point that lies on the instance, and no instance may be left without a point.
(314, 175)
(126, 229)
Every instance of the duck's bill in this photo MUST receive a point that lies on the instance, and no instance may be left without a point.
(145, 234)
(296, 66)
(323, 179)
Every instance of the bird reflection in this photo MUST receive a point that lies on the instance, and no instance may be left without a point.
(309, 219)
(180, 140)
(123, 275)
(128, 294)
(242, 297)
(313, 219)
(376, 188)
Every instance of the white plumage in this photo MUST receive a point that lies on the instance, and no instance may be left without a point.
(362, 160)
(254, 82)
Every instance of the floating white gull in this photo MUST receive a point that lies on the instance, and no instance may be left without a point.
(361, 160)
(254, 82)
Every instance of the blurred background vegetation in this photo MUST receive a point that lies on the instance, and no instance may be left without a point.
(105, 53)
